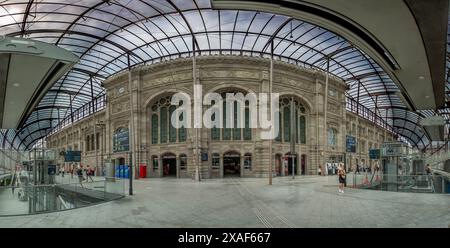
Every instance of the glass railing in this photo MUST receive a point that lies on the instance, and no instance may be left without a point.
(438, 158)
(34, 199)
(400, 183)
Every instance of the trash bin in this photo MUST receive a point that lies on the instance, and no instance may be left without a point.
(142, 171)
(121, 170)
(117, 174)
(126, 171)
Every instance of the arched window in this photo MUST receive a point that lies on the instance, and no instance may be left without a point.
(284, 121)
(88, 143)
(162, 130)
(235, 132)
(332, 137)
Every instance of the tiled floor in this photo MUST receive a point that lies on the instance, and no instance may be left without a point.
(310, 201)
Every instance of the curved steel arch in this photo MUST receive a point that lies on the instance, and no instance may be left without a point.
(312, 42)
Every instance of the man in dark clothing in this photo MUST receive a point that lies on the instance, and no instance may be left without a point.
(80, 175)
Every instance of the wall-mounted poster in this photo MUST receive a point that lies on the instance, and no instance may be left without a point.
(72, 156)
(204, 155)
(350, 144)
(374, 153)
(121, 140)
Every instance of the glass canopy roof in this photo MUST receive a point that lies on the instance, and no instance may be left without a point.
(104, 32)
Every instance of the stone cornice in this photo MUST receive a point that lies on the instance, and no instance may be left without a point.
(225, 61)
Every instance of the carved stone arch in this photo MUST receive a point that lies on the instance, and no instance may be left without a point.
(120, 124)
(153, 97)
(230, 86)
(303, 100)
(333, 124)
(231, 151)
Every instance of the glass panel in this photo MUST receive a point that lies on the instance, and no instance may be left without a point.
(93, 144)
(331, 137)
(172, 129)
(286, 124)
(97, 141)
(215, 162)
(120, 140)
(248, 162)
(182, 131)
(226, 131)
(183, 162)
(163, 125)
(302, 129)
(236, 130)
(215, 132)
(280, 131)
(154, 129)
(155, 163)
(247, 129)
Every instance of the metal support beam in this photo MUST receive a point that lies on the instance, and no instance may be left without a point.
(325, 111)
(130, 92)
(271, 111)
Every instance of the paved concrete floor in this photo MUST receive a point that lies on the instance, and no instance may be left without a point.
(10, 204)
(309, 201)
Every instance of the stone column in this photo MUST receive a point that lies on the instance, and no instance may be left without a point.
(281, 161)
(221, 165)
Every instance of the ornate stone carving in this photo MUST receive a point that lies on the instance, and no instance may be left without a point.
(265, 75)
(120, 107)
(298, 83)
(334, 109)
(176, 77)
(119, 90)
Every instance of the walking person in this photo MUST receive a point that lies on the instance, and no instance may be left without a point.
(89, 173)
(342, 178)
(80, 175)
(428, 170)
